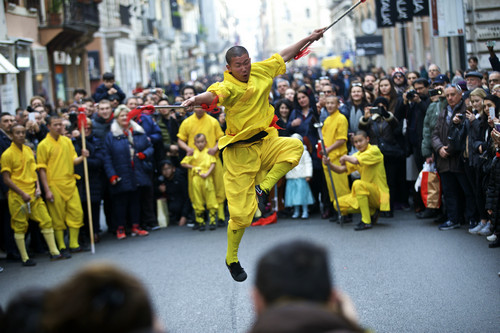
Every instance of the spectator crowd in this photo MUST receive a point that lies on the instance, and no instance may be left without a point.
(150, 163)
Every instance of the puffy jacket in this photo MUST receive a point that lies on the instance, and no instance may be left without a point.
(133, 172)
(101, 126)
(383, 132)
(303, 169)
(453, 163)
(151, 128)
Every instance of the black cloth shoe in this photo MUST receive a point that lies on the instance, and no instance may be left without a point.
(79, 249)
(54, 257)
(202, 227)
(237, 272)
(65, 253)
(261, 198)
(334, 218)
(221, 223)
(29, 263)
(362, 226)
(212, 226)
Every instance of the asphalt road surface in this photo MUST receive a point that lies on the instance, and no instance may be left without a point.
(404, 275)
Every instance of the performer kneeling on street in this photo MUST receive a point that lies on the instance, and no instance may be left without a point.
(254, 156)
(370, 194)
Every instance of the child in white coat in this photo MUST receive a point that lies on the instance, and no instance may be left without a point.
(298, 193)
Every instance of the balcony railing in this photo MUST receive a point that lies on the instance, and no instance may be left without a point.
(78, 15)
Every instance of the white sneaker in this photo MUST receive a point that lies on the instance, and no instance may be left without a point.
(477, 228)
(486, 230)
(491, 238)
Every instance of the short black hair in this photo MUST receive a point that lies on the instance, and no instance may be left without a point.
(294, 270)
(422, 81)
(108, 76)
(187, 87)
(473, 58)
(52, 118)
(3, 114)
(80, 91)
(235, 51)
(361, 132)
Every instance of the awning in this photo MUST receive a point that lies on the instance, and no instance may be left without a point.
(6, 67)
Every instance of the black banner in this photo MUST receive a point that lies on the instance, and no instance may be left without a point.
(369, 45)
(421, 8)
(386, 13)
(175, 15)
(404, 10)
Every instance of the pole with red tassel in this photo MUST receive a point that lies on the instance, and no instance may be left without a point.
(82, 124)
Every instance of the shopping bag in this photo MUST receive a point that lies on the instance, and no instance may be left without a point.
(162, 213)
(430, 189)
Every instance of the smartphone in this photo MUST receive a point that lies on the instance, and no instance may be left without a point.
(497, 126)
(492, 112)
(31, 116)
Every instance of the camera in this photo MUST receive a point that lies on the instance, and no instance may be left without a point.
(375, 109)
(410, 94)
(435, 92)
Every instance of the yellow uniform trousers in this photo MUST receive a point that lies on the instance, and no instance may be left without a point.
(340, 181)
(68, 212)
(203, 193)
(20, 214)
(245, 165)
(364, 198)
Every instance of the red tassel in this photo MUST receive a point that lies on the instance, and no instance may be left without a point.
(134, 113)
(212, 106)
(82, 118)
(302, 53)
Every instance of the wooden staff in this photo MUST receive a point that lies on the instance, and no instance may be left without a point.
(82, 121)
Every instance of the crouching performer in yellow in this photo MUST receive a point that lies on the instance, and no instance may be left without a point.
(19, 174)
(370, 194)
(254, 157)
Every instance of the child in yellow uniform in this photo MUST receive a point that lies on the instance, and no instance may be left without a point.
(255, 158)
(202, 165)
(370, 193)
(335, 137)
(56, 157)
(19, 174)
(201, 122)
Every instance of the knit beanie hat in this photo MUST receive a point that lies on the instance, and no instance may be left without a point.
(382, 100)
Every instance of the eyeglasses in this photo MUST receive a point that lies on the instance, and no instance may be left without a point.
(494, 80)
(398, 76)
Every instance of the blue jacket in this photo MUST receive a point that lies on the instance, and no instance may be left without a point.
(100, 126)
(102, 93)
(133, 172)
(95, 168)
(151, 128)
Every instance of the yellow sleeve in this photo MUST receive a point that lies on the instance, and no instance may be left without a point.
(370, 156)
(187, 159)
(211, 159)
(42, 153)
(274, 66)
(6, 162)
(221, 90)
(342, 128)
(183, 133)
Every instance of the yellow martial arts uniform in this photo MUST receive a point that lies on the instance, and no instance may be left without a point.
(203, 188)
(335, 128)
(210, 127)
(371, 191)
(248, 117)
(57, 157)
(21, 166)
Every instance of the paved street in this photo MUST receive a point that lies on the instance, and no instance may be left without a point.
(404, 275)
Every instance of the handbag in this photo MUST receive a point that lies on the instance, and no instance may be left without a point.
(430, 186)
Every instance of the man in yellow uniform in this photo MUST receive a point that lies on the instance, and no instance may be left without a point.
(202, 164)
(255, 158)
(201, 122)
(56, 157)
(370, 193)
(335, 137)
(19, 174)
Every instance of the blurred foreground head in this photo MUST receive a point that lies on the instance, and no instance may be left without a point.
(99, 298)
